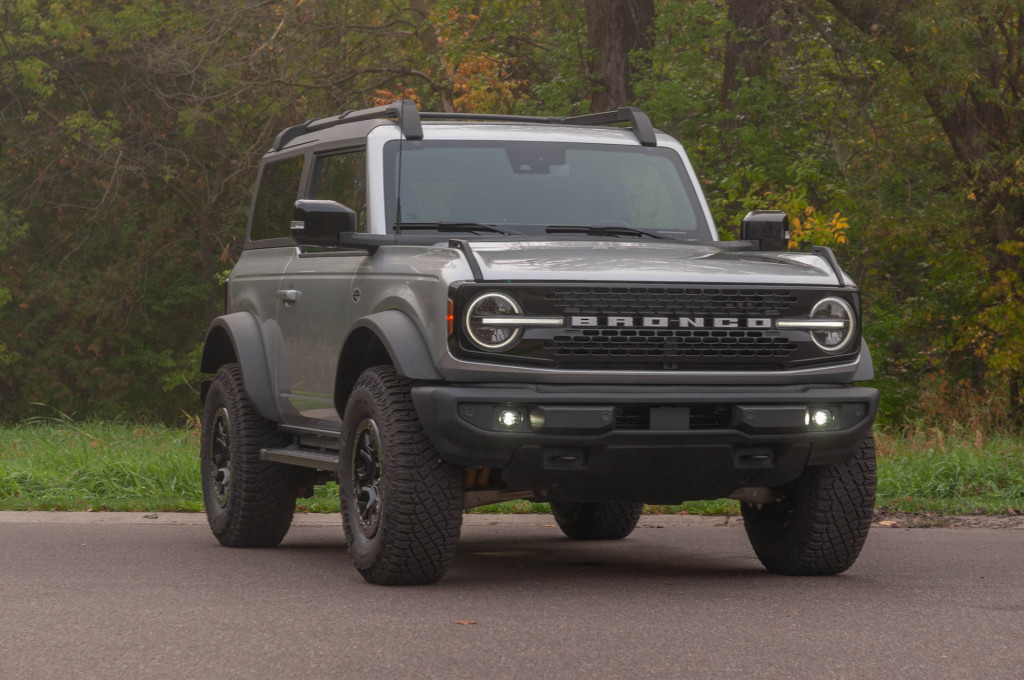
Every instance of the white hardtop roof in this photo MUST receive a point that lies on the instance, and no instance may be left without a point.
(506, 131)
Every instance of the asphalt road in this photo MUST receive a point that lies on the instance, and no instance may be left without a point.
(121, 596)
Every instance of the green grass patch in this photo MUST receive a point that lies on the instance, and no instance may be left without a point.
(63, 465)
(100, 466)
(956, 474)
(325, 499)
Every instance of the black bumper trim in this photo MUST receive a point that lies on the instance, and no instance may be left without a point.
(766, 442)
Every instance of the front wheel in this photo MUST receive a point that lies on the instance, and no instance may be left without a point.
(819, 526)
(401, 504)
(597, 521)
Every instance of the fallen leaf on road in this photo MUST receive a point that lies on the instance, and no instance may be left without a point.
(465, 623)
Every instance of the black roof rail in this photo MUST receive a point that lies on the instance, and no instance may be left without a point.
(494, 117)
(642, 127)
(408, 118)
(404, 111)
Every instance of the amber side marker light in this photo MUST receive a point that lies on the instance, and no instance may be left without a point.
(451, 317)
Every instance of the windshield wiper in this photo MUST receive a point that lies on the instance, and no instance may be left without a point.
(453, 226)
(603, 230)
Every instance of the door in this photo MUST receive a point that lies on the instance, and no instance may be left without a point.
(314, 299)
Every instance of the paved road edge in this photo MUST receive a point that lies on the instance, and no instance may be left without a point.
(882, 521)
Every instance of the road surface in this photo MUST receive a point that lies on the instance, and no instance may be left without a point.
(109, 595)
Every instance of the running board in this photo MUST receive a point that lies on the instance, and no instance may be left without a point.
(312, 458)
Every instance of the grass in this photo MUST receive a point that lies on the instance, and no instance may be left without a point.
(98, 466)
(64, 465)
(962, 473)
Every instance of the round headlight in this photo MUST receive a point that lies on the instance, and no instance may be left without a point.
(483, 321)
(834, 309)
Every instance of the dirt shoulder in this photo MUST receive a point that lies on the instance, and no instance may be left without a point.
(882, 519)
(926, 520)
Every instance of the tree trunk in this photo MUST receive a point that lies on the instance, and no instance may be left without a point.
(980, 128)
(439, 79)
(616, 29)
(746, 44)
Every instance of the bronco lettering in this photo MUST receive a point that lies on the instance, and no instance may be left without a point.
(667, 322)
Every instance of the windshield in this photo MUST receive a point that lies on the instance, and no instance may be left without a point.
(531, 186)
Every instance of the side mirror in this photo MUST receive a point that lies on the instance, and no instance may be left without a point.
(321, 223)
(769, 227)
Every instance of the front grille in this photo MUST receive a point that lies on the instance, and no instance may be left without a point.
(718, 349)
(652, 328)
(671, 345)
(645, 301)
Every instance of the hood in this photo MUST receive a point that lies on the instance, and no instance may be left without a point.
(662, 261)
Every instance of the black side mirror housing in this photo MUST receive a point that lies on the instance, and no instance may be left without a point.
(321, 223)
(770, 228)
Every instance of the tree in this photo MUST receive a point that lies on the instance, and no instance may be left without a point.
(130, 133)
(967, 61)
(616, 30)
(129, 138)
(746, 45)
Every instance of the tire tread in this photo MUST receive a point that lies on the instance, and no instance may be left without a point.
(597, 521)
(821, 528)
(261, 499)
(422, 498)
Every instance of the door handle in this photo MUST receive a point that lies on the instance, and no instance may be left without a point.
(289, 295)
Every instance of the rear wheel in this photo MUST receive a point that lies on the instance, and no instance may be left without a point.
(819, 526)
(249, 502)
(401, 505)
(597, 521)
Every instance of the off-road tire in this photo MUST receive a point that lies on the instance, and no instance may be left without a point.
(597, 521)
(820, 525)
(249, 502)
(409, 537)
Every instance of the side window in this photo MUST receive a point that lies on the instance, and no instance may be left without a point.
(342, 178)
(275, 199)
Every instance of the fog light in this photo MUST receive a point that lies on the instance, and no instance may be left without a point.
(509, 418)
(819, 417)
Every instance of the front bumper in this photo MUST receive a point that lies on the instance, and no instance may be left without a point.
(643, 443)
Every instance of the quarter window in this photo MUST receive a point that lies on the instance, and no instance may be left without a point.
(275, 200)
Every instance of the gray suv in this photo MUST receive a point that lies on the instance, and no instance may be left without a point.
(441, 311)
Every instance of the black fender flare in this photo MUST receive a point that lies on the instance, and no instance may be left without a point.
(237, 338)
(865, 367)
(392, 332)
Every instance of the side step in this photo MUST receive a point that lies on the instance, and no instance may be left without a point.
(312, 458)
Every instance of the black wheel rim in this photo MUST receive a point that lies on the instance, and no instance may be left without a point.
(220, 456)
(367, 477)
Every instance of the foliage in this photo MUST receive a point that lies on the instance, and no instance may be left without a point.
(129, 141)
(130, 131)
(997, 337)
(965, 61)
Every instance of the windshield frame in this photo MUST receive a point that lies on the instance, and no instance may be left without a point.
(702, 231)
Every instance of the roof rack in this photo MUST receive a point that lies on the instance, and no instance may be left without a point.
(408, 118)
(642, 127)
(403, 111)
